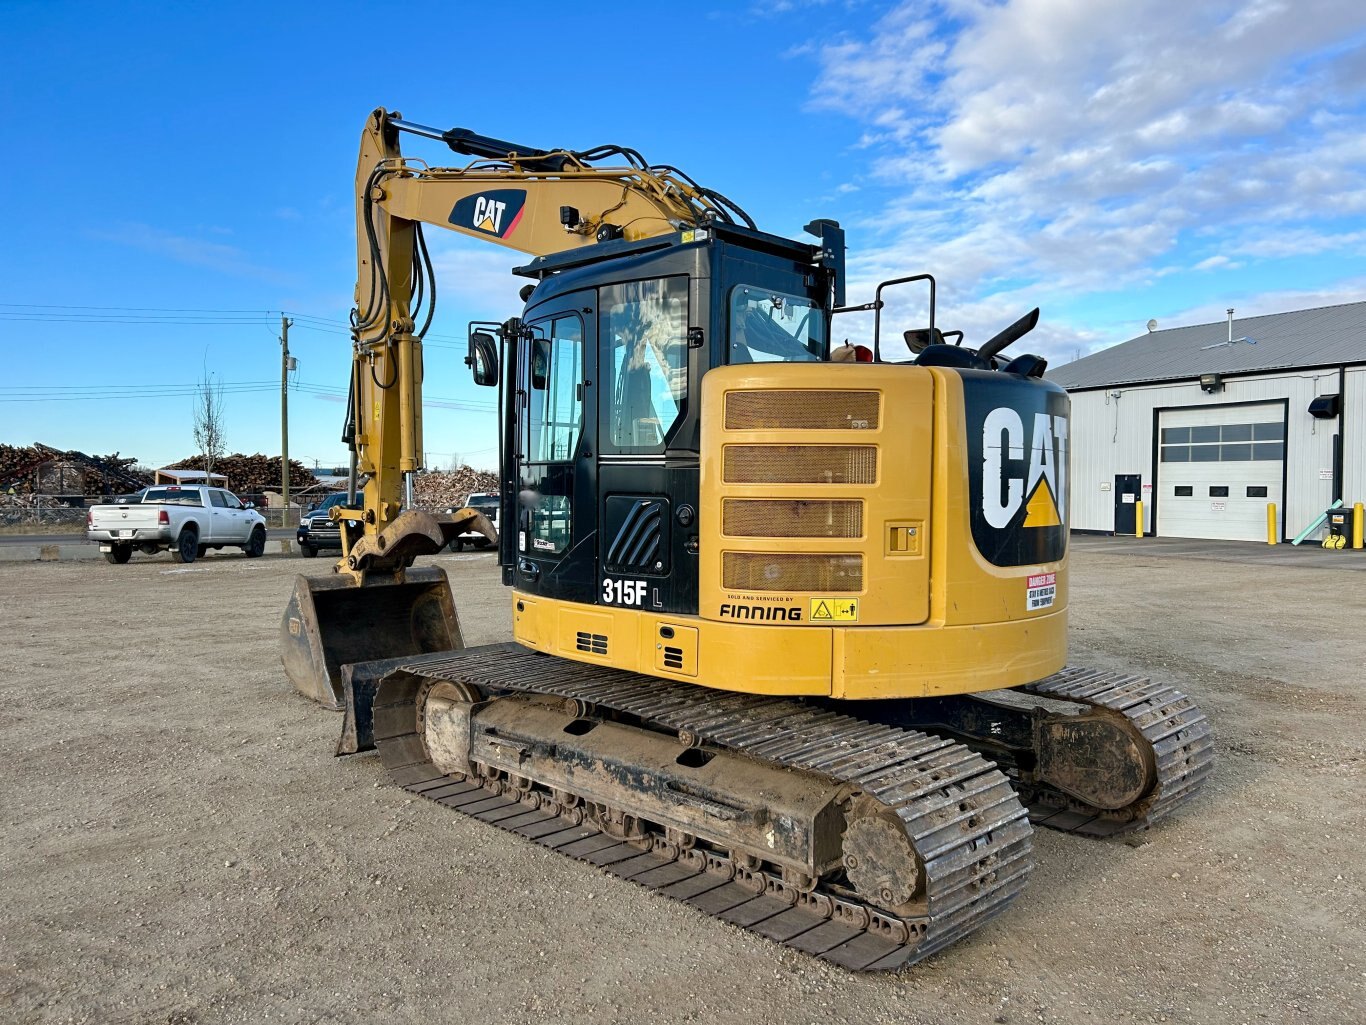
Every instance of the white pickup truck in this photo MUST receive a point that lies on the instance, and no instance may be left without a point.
(189, 520)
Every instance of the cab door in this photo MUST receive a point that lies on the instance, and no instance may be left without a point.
(220, 518)
(556, 521)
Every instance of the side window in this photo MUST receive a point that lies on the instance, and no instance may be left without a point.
(217, 499)
(555, 406)
(233, 501)
(643, 363)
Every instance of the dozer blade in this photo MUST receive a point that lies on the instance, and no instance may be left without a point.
(332, 621)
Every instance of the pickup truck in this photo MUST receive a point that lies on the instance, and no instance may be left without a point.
(189, 520)
(316, 527)
(487, 503)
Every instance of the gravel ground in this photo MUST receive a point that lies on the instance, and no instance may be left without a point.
(181, 847)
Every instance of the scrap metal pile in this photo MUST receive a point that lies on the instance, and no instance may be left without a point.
(439, 491)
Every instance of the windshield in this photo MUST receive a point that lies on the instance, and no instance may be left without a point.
(483, 502)
(770, 327)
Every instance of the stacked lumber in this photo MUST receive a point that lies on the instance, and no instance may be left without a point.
(37, 509)
(41, 469)
(252, 474)
(438, 491)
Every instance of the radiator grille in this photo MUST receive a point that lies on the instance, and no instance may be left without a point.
(805, 410)
(770, 571)
(800, 464)
(765, 517)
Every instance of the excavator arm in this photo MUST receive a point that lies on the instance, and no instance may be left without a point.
(534, 201)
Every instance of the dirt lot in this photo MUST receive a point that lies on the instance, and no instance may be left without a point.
(181, 847)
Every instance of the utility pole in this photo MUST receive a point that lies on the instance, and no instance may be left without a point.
(285, 361)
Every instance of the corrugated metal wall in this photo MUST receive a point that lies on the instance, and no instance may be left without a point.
(1112, 433)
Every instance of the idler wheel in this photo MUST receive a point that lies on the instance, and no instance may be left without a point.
(880, 862)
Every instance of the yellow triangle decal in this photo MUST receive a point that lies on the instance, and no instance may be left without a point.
(822, 612)
(1042, 511)
(486, 224)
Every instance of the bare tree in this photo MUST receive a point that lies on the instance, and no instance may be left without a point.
(208, 422)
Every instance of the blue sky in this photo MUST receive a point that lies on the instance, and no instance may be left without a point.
(178, 175)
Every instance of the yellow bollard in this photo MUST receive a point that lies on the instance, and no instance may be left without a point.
(1271, 531)
(1358, 516)
(1138, 519)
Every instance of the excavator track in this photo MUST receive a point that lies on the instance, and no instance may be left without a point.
(971, 837)
(1175, 729)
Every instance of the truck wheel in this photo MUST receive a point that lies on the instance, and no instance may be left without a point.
(118, 555)
(186, 546)
(256, 546)
(456, 545)
(309, 552)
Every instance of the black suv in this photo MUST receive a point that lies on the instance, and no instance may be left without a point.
(316, 529)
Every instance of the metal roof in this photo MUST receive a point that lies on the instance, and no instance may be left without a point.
(188, 475)
(1329, 335)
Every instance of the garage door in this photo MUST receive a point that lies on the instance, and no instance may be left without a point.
(1217, 468)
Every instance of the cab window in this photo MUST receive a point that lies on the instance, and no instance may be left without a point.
(556, 403)
(643, 335)
(773, 327)
(554, 379)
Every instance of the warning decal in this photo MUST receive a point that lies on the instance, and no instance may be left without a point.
(834, 610)
(1042, 589)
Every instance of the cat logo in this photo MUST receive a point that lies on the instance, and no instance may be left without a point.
(496, 212)
(1011, 479)
(488, 213)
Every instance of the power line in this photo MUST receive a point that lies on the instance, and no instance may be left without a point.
(128, 309)
(60, 313)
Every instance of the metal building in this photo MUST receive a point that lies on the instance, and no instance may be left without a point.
(1206, 425)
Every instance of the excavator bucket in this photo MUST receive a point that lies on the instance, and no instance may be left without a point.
(332, 622)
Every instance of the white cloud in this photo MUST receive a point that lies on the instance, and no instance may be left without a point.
(1218, 262)
(477, 275)
(1076, 146)
(194, 251)
(1258, 303)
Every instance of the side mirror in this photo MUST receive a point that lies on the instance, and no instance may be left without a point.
(483, 358)
(251, 505)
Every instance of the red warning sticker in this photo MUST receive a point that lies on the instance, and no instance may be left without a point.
(1041, 590)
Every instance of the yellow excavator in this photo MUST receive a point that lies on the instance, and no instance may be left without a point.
(789, 617)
